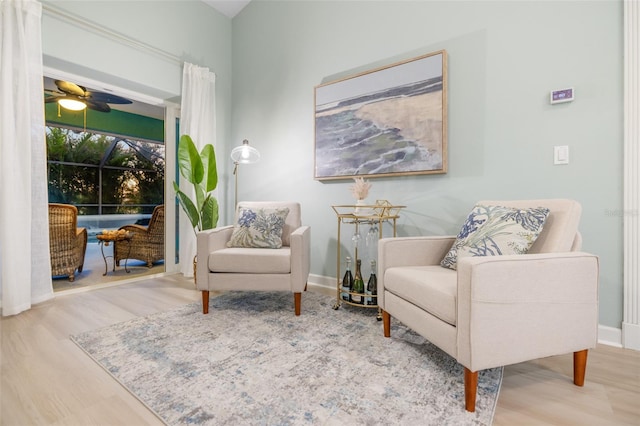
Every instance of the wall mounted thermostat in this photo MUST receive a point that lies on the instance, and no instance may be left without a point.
(562, 95)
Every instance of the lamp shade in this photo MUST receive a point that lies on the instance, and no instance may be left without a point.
(72, 104)
(245, 154)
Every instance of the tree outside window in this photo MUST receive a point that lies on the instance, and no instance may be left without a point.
(103, 174)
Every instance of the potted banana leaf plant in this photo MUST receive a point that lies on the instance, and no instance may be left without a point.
(199, 169)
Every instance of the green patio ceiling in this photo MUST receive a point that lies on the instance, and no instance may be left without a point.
(115, 122)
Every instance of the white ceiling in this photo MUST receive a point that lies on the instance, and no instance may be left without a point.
(229, 8)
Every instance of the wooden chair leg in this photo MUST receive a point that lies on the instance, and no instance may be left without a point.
(579, 367)
(386, 323)
(305, 286)
(205, 301)
(470, 389)
(297, 299)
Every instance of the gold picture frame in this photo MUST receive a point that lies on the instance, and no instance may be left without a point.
(389, 121)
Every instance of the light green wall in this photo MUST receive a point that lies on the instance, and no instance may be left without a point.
(504, 58)
(115, 122)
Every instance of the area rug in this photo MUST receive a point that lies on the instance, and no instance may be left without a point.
(251, 361)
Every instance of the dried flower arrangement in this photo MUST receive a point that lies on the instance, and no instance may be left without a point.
(360, 189)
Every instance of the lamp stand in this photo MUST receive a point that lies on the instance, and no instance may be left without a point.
(243, 154)
(235, 173)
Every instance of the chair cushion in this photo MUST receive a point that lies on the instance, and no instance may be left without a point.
(251, 261)
(492, 230)
(431, 288)
(259, 228)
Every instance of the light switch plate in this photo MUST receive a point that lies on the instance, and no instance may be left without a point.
(561, 154)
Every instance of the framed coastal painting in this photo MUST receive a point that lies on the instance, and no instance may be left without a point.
(390, 121)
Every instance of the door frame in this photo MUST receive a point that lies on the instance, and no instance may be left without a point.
(171, 113)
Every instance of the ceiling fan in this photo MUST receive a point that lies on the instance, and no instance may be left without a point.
(74, 97)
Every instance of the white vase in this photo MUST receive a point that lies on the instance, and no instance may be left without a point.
(359, 204)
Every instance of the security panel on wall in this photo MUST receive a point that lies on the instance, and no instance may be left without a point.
(561, 95)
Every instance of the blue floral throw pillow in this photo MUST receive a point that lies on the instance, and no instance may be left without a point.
(495, 231)
(261, 228)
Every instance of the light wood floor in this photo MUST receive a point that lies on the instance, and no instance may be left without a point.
(47, 380)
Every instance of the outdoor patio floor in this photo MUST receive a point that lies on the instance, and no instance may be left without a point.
(94, 268)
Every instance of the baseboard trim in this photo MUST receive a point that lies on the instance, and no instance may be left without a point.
(609, 336)
(631, 336)
(322, 281)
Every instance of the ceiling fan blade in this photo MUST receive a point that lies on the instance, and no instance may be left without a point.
(107, 98)
(71, 88)
(97, 106)
(97, 101)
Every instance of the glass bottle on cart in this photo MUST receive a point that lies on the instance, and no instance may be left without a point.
(372, 286)
(358, 285)
(347, 283)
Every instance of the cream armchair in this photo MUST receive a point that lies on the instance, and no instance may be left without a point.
(497, 310)
(220, 267)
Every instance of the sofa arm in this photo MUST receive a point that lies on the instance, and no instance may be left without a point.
(521, 307)
(412, 251)
(139, 235)
(300, 257)
(206, 242)
(81, 245)
(134, 228)
(409, 251)
(81, 237)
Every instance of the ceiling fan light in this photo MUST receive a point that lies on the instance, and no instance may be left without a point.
(72, 104)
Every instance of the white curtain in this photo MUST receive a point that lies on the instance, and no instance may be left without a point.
(25, 266)
(198, 120)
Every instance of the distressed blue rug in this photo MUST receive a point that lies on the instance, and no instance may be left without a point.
(250, 361)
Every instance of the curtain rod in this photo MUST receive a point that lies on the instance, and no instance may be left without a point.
(85, 24)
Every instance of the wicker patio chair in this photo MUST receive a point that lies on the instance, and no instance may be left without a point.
(147, 243)
(67, 242)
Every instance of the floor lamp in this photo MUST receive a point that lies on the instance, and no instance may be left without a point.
(243, 154)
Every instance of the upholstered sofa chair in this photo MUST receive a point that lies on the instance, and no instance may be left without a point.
(67, 242)
(246, 257)
(497, 310)
(147, 243)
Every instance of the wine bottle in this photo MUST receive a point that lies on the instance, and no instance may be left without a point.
(347, 282)
(372, 285)
(358, 285)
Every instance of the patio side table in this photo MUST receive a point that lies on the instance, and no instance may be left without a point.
(105, 240)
